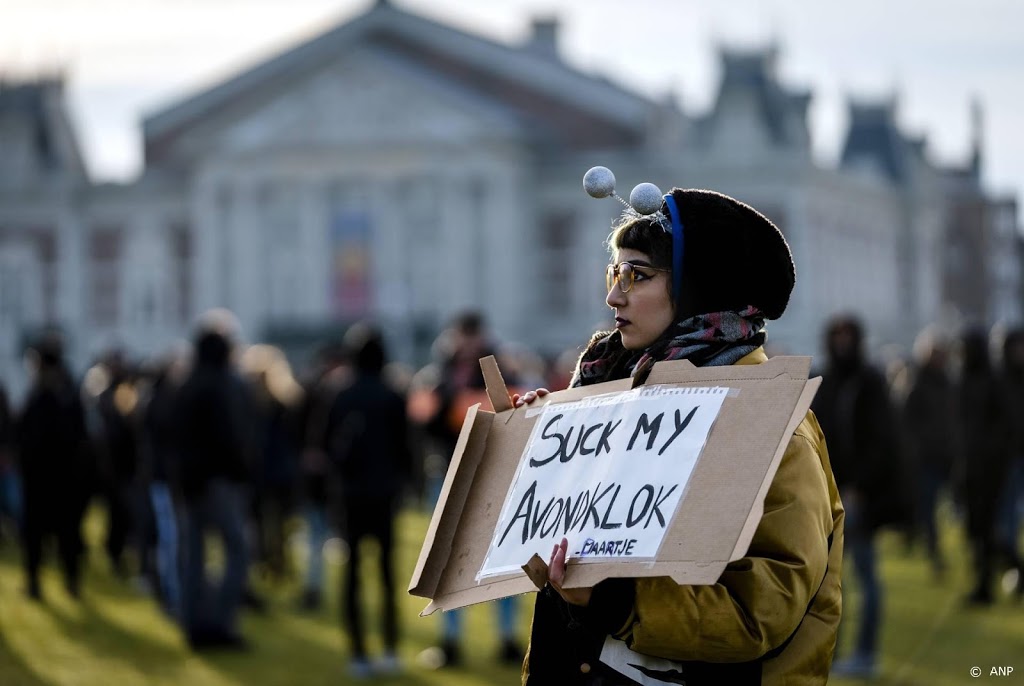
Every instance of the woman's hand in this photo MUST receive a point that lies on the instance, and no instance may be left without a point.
(556, 575)
(529, 397)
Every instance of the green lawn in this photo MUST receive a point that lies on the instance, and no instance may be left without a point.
(116, 635)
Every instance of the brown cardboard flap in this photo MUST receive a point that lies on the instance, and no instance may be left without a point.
(671, 371)
(450, 504)
(537, 570)
(497, 392)
(480, 593)
(802, 406)
(714, 521)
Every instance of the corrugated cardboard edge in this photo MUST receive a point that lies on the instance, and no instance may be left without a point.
(478, 594)
(537, 570)
(796, 367)
(497, 391)
(437, 544)
(803, 404)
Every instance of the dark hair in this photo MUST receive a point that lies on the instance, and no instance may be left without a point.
(212, 349)
(49, 347)
(1011, 359)
(637, 233)
(469, 323)
(1014, 337)
(646, 236)
(365, 344)
(974, 344)
(845, 324)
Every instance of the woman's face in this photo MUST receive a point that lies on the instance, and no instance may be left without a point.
(643, 313)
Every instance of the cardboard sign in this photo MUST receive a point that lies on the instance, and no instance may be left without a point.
(716, 514)
(607, 471)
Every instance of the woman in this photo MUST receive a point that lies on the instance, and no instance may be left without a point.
(696, 280)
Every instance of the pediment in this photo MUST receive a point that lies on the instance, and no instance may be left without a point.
(365, 98)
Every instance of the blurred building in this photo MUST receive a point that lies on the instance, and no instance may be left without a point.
(982, 274)
(400, 168)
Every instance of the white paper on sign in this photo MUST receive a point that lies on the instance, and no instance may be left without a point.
(606, 472)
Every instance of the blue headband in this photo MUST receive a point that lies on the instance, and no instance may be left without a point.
(677, 248)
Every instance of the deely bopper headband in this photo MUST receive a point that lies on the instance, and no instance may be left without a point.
(644, 202)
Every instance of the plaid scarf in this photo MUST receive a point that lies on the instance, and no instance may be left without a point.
(719, 338)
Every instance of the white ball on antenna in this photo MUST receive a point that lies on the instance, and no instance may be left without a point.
(646, 198)
(599, 182)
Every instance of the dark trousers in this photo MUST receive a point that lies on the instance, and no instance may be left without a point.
(213, 607)
(120, 511)
(929, 485)
(369, 518)
(46, 514)
(860, 544)
(982, 512)
(273, 507)
(981, 522)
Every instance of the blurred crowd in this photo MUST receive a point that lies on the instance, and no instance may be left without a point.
(216, 445)
(220, 441)
(946, 426)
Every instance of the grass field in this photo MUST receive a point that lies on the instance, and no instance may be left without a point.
(117, 636)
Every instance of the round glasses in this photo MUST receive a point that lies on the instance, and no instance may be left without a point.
(625, 273)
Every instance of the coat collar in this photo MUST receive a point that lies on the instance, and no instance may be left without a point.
(756, 357)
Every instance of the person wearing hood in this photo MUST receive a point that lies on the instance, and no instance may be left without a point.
(859, 421)
(1012, 499)
(985, 459)
(931, 423)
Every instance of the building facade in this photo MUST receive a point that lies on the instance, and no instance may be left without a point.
(396, 168)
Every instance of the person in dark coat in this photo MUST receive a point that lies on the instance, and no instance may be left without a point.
(160, 464)
(1008, 524)
(931, 427)
(276, 400)
(367, 441)
(859, 423)
(10, 486)
(985, 459)
(54, 461)
(118, 445)
(212, 418)
(329, 375)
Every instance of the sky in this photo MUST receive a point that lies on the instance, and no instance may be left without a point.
(123, 59)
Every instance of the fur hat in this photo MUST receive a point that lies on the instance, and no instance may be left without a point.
(733, 256)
